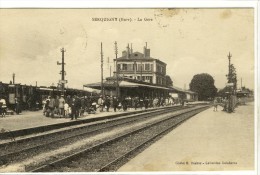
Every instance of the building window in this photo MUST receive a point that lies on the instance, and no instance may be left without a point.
(139, 67)
(129, 67)
(147, 67)
(119, 67)
(124, 67)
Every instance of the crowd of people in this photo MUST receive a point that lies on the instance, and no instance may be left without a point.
(228, 104)
(4, 108)
(76, 106)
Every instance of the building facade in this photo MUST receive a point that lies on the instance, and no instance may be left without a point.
(141, 66)
(139, 75)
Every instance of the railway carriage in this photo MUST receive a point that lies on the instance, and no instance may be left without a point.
(31, 97)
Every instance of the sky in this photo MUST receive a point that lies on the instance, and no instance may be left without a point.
(189, 41)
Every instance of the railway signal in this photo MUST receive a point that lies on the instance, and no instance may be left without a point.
(62, 81)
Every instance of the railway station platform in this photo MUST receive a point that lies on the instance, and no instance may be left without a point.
(209, 141)
(32, 119)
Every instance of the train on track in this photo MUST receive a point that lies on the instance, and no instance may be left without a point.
(31, 97)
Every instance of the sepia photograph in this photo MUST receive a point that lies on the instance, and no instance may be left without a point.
(128, 90)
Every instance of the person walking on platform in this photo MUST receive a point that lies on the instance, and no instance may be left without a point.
(225, 103)
(115, 103)
(215, 105)
(61, 106)
(141, 102)
(74, 107)
(107, 103)
(51, 107)
(17, 106)
(100, 103)
(56, 108)
(136, 102)
(124, 104)
(46, 105)
(146, 103)
(155, 101)
(78, 106)
(88, 104)
(2, 106)
(83, 105)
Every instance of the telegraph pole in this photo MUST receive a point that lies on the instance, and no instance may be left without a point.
(62, 72)
(102, 85)
(117, 85)
(230, 108)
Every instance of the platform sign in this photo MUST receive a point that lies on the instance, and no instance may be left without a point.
(63, 81)
(229, 84)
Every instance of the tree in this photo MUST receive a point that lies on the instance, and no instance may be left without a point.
(169, 82)
(203, 84)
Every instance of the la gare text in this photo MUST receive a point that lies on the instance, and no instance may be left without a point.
(122, 19)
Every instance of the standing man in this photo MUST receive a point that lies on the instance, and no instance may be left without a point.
(146, 103)
(17, 106)
(215, 105)
(51, 106)
(61, 105)
(73, 108)
(141, 102)
(136, 102)
(3, 106)
(107, 103)
(124, 104)
(57, 110)
(115, 103)
(100, 103)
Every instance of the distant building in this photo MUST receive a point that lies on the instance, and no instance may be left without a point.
(141, 66)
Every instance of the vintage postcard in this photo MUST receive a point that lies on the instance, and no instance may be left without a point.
(128, 90)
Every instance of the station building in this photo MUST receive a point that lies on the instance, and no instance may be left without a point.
(139, 74)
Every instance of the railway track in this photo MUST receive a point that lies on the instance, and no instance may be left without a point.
(34, 145)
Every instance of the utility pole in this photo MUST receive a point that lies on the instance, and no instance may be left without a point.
(13, 78)
(102, 85)
(117, 85)
(230, 109)
(62, 81)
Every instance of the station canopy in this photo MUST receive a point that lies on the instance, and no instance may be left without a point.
(125, 83)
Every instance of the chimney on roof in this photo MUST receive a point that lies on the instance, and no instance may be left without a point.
(127, 51)
(131, 48)
(146, 51)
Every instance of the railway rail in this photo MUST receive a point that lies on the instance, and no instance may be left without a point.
(27, 147)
